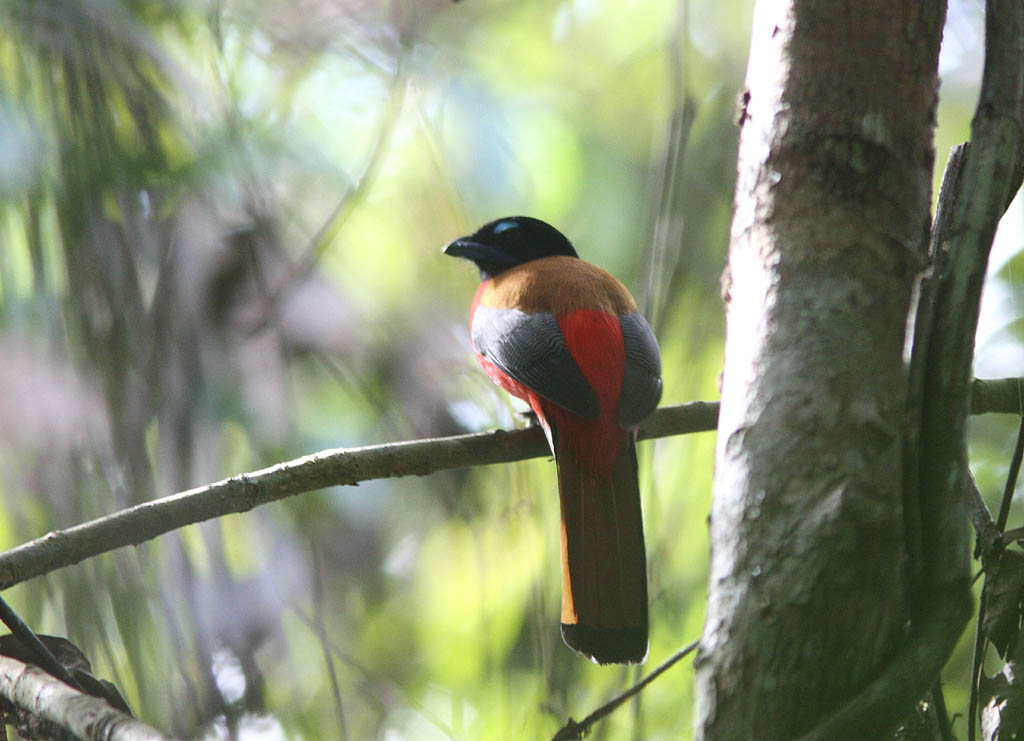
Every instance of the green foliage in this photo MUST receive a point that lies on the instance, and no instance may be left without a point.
(221, 229)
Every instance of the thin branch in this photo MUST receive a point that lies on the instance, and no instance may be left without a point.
(44, 658)
(83, 716)
(574, 730)
(977, 662)
(997, 395)
(336, 467)
(320, 628)
(987, 542)
(939, 712)
(358, 189)
(1011, 479)
(353, 195)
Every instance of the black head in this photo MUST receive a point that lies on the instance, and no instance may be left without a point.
(505, 243)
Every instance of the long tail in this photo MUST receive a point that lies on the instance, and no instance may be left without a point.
(604, 565)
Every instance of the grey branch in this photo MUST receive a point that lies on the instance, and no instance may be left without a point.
(336, 467)
(349, 467)
(84, 717)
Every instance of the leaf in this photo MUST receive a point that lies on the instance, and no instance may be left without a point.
(1005, 589)
(1002, 697)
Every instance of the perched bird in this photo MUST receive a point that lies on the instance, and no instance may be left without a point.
(565, 336)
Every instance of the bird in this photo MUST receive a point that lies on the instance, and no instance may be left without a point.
(566, 337)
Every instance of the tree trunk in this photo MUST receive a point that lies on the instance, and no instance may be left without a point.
(808, 592)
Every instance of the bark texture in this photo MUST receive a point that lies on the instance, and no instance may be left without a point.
(51, 707)
(808, 595)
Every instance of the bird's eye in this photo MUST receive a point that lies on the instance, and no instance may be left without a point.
(504, 226)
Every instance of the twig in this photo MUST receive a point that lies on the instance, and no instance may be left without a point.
(577, 730)
(987, 544)
(940, 713)
(320, 628)
(346, 204)
(976, 664)
(44, 658)
(353, 195)
(1011, 479)
(320, 241)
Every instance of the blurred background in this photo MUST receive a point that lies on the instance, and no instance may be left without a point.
(220, 235)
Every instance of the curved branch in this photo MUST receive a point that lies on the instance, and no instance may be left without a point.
(989, 179)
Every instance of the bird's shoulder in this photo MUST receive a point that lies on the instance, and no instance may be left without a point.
(559, 284)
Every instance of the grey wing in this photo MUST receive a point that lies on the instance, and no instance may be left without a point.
(641, 384)
(530, 349)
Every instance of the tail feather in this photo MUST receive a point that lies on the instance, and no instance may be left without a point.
(604, 566)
